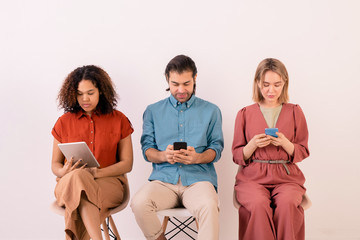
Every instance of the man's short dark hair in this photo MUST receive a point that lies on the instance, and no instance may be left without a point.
(180, 64)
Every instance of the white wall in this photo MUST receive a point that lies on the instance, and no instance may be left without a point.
(42, 41)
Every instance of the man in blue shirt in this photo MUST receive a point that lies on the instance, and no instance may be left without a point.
(186, 176)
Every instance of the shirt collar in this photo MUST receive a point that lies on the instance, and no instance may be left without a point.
(81, 113)
(175, 102)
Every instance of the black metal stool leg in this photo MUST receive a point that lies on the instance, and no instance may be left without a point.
(181, 226)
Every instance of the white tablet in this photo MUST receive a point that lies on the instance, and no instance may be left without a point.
(78, 150)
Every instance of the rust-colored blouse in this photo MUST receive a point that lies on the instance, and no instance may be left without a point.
(101, 132)
(291, 122)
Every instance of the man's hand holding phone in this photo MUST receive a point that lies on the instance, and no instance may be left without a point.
(184, 154)
(172, 150)
(169, 154)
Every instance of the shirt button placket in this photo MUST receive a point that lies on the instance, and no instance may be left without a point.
(182, 123)
(92, 135)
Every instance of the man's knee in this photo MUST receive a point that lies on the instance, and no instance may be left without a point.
(211, 203)
(208, 206)
(141, 203)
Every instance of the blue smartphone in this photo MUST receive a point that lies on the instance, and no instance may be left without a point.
(271, 132)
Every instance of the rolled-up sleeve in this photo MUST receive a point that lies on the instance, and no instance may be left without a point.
(215, 136)
(148, 135)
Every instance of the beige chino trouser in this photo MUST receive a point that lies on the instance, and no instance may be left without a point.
(199, 198)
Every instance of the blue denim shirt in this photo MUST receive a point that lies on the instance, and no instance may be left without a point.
(197, 122)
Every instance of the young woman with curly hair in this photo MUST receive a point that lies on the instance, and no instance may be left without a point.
(89, 100)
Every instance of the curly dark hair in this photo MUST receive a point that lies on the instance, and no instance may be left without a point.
(68, 93)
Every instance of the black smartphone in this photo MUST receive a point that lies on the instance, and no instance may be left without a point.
(180, 145)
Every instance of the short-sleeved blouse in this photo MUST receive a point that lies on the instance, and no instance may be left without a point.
(101, 132)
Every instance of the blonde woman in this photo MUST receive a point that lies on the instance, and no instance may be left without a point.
(270, 185)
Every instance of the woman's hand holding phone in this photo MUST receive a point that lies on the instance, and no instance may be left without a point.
(283, 142)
